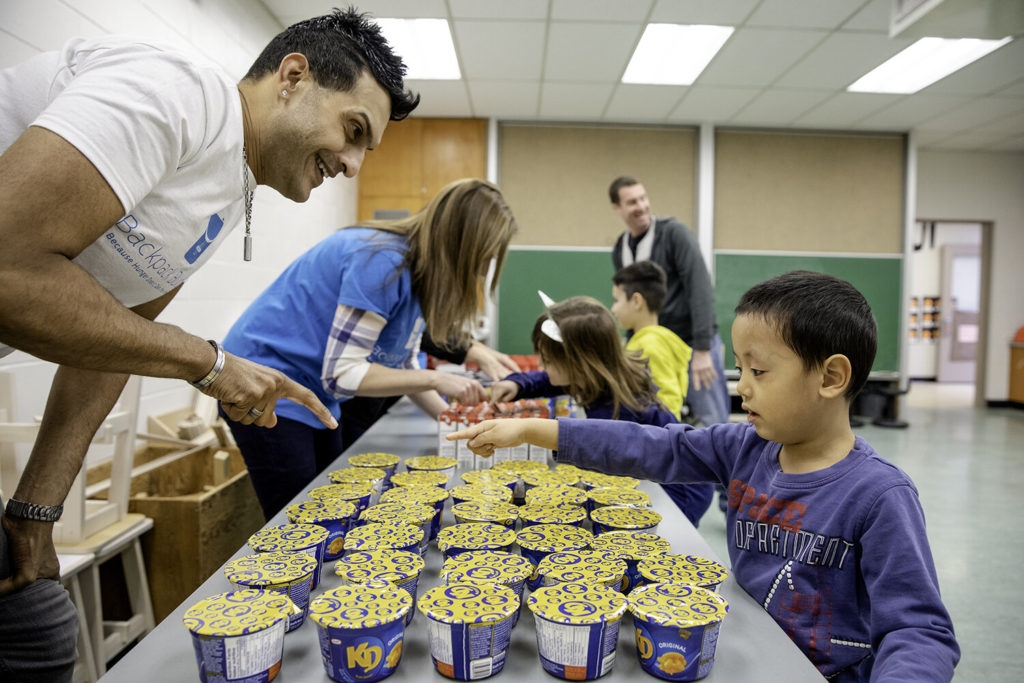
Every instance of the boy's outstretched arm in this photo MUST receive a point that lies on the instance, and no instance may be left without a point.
(491, 434)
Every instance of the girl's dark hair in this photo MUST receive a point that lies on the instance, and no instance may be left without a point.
(340, 46)
(817, 315)
(592, 355)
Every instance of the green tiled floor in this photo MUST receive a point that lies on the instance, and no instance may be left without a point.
(968, 465)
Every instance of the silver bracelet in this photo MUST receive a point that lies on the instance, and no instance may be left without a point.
(214, 372)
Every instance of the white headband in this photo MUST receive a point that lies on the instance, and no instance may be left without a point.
(549, 326)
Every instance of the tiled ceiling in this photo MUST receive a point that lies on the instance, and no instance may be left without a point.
(787, 65)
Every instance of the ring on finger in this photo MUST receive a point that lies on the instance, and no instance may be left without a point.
(255, 413)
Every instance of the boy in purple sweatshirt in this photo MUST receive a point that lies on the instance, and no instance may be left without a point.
(825, 534)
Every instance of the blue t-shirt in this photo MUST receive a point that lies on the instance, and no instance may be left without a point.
(288, 325)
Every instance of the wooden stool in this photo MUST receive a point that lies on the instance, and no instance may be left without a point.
(70, 567)
(109, 637)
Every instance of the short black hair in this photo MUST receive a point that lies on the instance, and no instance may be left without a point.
(645, 277)
(818, 315)
(340, 46)
(617, 184)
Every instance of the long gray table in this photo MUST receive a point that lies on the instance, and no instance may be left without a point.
(751, 647)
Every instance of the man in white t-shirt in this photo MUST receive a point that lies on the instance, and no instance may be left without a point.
(124, 165)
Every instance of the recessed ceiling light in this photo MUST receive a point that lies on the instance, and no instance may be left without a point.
(425, 45)
(674, 54)
(923, 63)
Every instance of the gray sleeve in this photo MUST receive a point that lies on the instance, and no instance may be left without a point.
(696, 283)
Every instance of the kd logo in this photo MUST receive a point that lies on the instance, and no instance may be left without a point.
(365, 656)
(644, 647)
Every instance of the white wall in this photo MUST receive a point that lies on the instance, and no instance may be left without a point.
(230, 33)
(984, 187)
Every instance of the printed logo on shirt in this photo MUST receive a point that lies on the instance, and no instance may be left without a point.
(206, 239)
(144, 255)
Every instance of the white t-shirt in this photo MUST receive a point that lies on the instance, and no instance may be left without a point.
(163, 129)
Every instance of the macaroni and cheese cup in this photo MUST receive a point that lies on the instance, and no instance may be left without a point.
(631, 547)
(239, 635)
(572, 469)
(537, 541)
(420, 478)
(469, 627)
(483, 567)
(617, 495)
(577, 628)
(623, 518)
(360, 475)
(335, 515)
(361, 630)
(287, 573)
(519, 468)
(375, 536)
(433, 463)
(397, 567)
(549, 513)
(434, 496)
(594, 567)
(676, 629)
(297, 538)
(357, 494)
(383, 461)
(472, 511)
(687, 570)
(593, 480)
(480, 492)
(461, 538)
(492, 477)
(556, 494)
(548, 478)
(401, 512)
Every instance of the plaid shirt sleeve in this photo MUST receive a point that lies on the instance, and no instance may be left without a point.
(349, 343)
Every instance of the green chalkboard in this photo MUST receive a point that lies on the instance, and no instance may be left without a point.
(560, 274)
(878, 279)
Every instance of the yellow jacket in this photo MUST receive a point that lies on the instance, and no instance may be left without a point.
(669, 358)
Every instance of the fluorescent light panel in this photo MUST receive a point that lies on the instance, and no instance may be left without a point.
(425, 45)
(926, 61)
(674, 54)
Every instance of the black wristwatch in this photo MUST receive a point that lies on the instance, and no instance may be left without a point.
(33, 511)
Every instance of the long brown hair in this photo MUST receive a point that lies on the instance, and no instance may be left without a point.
(451, 243)
(593, 357)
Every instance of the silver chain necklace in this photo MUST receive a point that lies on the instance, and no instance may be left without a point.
(247, 195)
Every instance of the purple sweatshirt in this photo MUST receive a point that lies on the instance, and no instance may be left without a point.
(838, 557)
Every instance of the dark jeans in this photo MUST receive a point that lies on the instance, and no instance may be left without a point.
(692, 499)
(282, 460)
(38, 629)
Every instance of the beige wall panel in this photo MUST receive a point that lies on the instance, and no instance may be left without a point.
(809, 192)
(556, 178)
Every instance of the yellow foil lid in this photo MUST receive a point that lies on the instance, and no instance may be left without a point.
(594, 480)
(466, 603)
(556, 494)
(323, 510)
(583, 566)
(275, 568)
(398, 511)
(485, 511)
(622, 517)
(631, 545)
(490, 477)
(373, 536)
(356, 475)
(237, 613)
(287, 537)
(430, 462)
(341, 491)
(475, 536)
(427, 495)
(419, 478)
(577, 603)
(619, 495)
(385, 564)
(682, 569)
(520, 467)
(548, 477)
(552, 513)
(670, 604)
(552, 538)
(382, 460)
(363, 605)
(486, 566)
(562, 467)
(501, 494)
